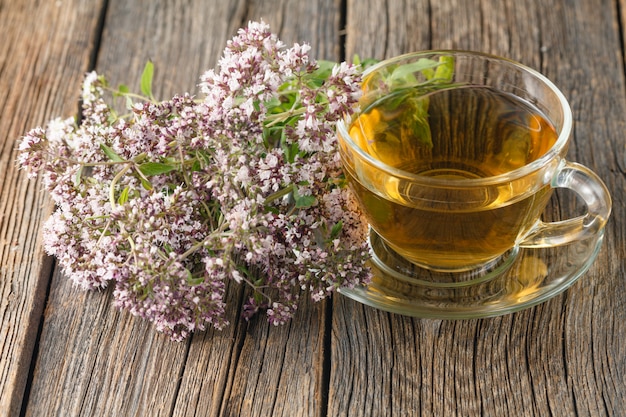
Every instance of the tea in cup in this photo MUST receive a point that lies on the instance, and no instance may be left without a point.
(453, 157)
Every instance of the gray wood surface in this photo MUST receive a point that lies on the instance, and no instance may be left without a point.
(65, 352)
(45, 50)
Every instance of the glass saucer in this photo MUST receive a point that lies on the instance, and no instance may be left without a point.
(523, 278)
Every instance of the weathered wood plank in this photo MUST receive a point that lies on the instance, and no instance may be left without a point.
(44, 53)
(94, 360)
(581, 55)
(382, 29)
(272, 371)
(562, 357)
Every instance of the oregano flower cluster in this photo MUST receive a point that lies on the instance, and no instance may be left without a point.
(172, 200)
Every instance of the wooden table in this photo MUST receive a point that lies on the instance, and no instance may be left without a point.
(65, 352)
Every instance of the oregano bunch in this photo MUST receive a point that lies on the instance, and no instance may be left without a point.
(173, 199)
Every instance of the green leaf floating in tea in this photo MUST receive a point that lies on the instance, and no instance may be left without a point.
(395, 104)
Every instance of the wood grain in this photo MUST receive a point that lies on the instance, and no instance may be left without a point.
(271, 371)
(65, 352)
(44, 53)
(121, 366)
(559, 358)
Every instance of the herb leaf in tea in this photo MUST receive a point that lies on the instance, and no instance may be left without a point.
(402, 93)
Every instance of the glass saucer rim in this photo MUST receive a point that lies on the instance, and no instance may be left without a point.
(412, 308)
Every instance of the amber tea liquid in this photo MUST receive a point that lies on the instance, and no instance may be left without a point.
(456, 134)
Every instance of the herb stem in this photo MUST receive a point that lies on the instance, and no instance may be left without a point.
(281, 117)
(279, 194)
(114, 182)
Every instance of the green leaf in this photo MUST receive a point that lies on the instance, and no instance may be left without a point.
(321, 74)
(123, 198)
(110, 153)
(193, 281)
(146, 184)
(415, 124)
(146, 79)
(304, 201)
(445, 70)
(406, 71)
(78, 176)
(290, 150)
(272, 103)
(122, 90)
(258, 297)
(363, 63)
(272, 136)
(325, 66)
(336, 229)
(155, 168)
(368, 62)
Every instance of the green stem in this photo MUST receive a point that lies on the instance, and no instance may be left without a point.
(117, 92)
(106, 228)
(202, 243)
(279, 194)
(275, 119)
(92, 164)
(116, 179)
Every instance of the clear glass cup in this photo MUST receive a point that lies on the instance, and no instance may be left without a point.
(453, 157)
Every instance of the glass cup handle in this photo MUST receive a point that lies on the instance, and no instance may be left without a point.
(594, 193)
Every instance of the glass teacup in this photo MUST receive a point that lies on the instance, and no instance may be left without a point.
(453, 157)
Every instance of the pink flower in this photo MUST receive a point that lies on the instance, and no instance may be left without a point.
(245, 184)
